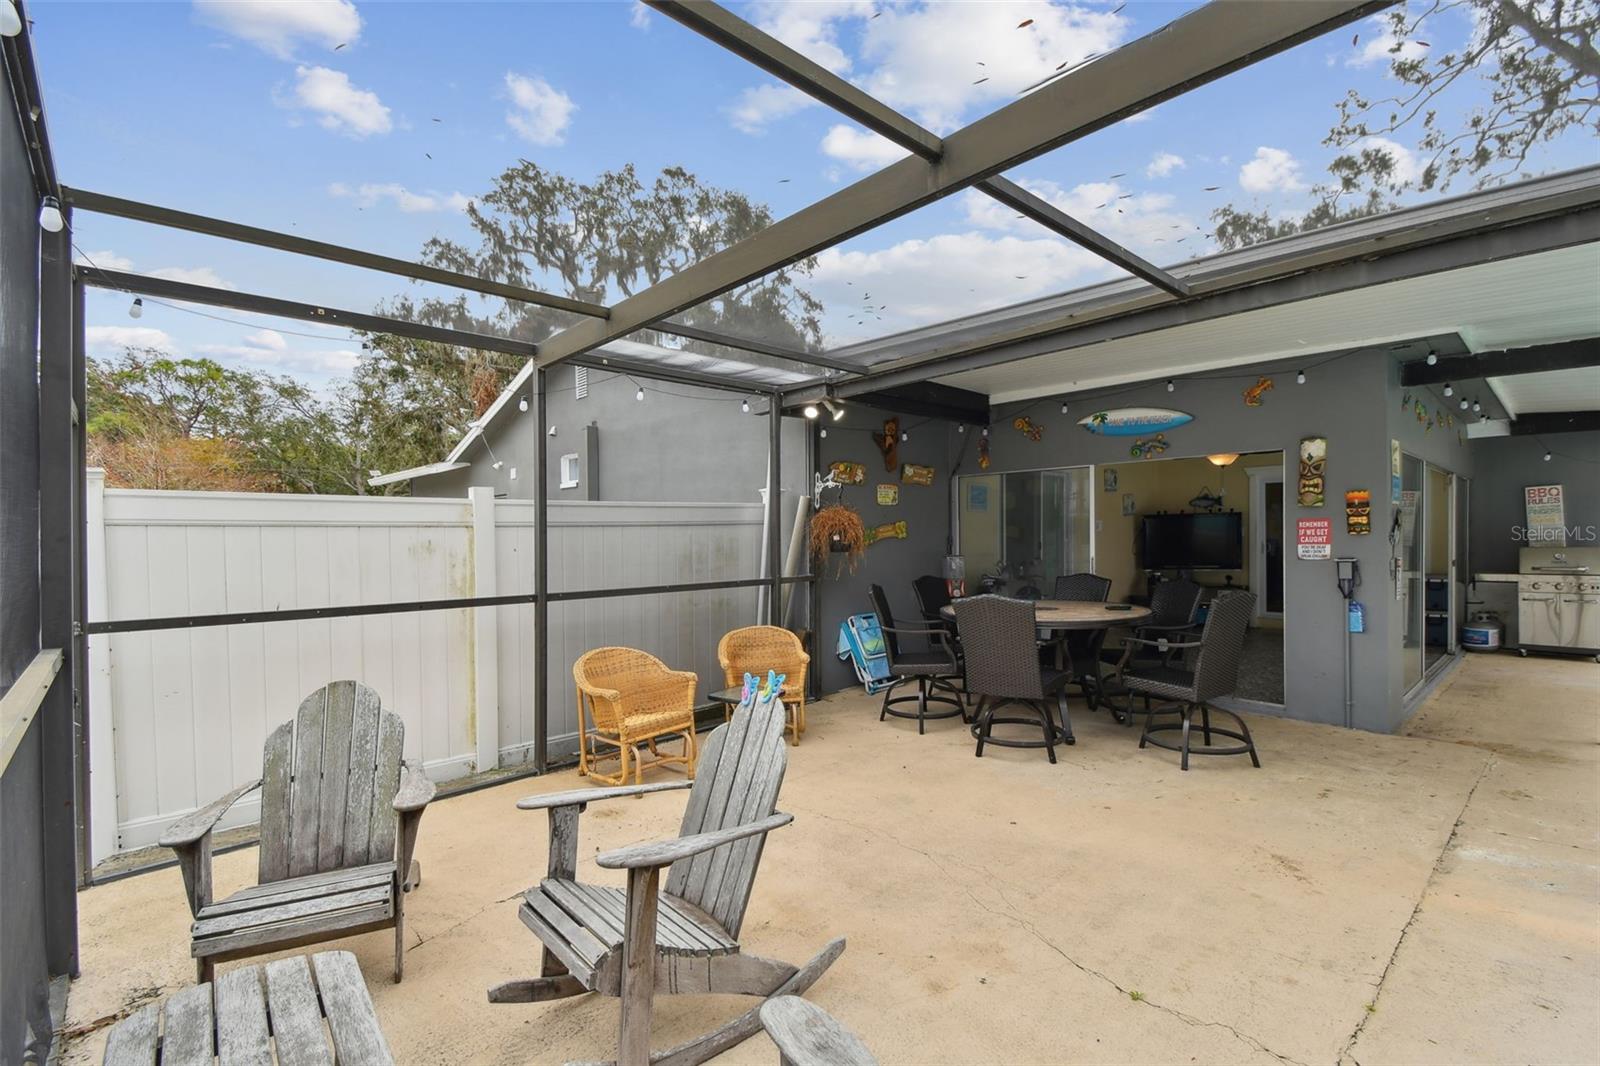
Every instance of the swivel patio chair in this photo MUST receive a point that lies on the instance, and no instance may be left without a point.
(339, 816)
(1078, 648)
(1215, 673)
(1173, 607)
(758, 649)
(1002, 670)
(631, 698)
(933, 595)
(933, 670)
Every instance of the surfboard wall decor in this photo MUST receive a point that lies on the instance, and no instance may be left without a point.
(1134, 421)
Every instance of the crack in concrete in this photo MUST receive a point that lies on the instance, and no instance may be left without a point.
(1014, 915)
(421, 940)
(1346, 1053)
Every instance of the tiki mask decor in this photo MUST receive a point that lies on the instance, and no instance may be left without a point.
(912, 474)
(983, 450)
(1358, 512)
(1313, 461)
(1028, 428)
(889, 443)
(1252, 395)
(848, 473)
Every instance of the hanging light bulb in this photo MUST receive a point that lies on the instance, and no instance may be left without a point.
(904, 436)
(823, 432)
(1432, 359)
(639, 395)
(136, 310)
(811, 410)
(1463, 404)
(744, 405)
(1300, 378)
(1063, 407)
(10, 21)
(1448, 390)
(1476, 407)
(962, 428)
(50, 219)
(1547, 457)
(522, 403)
(1170, 386)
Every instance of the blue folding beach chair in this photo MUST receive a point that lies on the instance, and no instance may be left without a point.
(861, 641)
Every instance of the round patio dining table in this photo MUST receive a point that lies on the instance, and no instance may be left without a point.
(1080, 615)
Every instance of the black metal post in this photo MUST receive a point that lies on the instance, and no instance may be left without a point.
(541, 581)
(80, 578)
(58, 476)
(774, 509)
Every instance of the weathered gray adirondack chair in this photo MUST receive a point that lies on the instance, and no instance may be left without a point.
(633, 943)
(339, 817)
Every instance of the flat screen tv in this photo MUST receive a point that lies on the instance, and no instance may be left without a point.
(1192, 541)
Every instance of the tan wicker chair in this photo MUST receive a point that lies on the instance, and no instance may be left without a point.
(628, 697)
(757, 649)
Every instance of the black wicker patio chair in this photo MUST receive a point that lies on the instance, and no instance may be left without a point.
(933, 595)
(1215, 673)
(1076, 649)
(1173, 607)
(933, 670)
(1002, 670)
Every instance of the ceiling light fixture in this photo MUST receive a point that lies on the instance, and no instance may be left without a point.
(1223, 458)
(811, 411)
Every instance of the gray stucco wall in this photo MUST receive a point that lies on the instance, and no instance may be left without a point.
(1353, 402)
(682, 443)
(1507, 465)
(894, 564)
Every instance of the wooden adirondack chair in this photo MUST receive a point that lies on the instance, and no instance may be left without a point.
(635, 942)
(339, 817)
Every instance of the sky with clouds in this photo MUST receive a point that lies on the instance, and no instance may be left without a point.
(373, 124)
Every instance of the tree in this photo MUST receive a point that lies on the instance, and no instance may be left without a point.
(1528, 73)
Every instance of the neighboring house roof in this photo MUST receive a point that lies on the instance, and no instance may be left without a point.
(416, 471)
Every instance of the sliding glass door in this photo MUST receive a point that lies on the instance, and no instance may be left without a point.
(1412, 487)
(1023, 530)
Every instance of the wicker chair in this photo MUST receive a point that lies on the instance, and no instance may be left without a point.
(632, 698)
(1077, 648)
(1002, 670)
(759, 649)
(1215, 673)
(1173, 607)
(933, 670)
(933, 595)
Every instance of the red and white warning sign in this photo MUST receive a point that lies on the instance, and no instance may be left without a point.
(1314, 538)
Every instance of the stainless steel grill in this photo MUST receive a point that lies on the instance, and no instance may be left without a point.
(1558, 600)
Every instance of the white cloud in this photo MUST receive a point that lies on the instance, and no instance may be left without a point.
(340, 105)
(860, 148)
(193, 276)
(1378, 45)
(106, 260)
(639, 17)
(812, 29)
(1163, 164)
(276, 27)
(1272, 170)
(1406, 166)
(540, 113)
(370, 195)
(268, 338)
(268, 349)
(762, 104)
(111, 340)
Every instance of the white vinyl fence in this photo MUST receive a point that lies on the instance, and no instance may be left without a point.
(178, 717)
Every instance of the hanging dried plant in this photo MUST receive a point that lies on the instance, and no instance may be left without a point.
(837, 528)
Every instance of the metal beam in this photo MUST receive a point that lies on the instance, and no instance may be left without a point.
(1360, 268)
(929, 399)
(1197, 48)
(717, 24)
(145, 285)
(1534, 359)
(1531, 425)
(23, 74)
(541, 576)
(135, 211)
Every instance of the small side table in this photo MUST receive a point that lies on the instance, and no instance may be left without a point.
(261, 1014)
(794, 721)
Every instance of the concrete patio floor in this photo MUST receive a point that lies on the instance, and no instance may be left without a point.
(1360, 898)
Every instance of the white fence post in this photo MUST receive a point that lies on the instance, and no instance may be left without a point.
(103, 815)
(485, 631)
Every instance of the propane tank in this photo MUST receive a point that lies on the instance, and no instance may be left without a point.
(1482, 632)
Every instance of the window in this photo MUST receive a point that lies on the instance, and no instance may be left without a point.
(580, 386)
(569, 471)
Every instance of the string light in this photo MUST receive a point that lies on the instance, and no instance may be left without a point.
(962, 428)
(1063, 407)
(640, 394)
(10, 21)
(824, 431)
(1448, 391)
(50, 219)
(1463, 404)
(1476, 407)
(1547, 457)
(1300, 378)
(136, 310)
(744, 405)
(1433, 360)
(904, 436)
(1170, 386)
(522, 403)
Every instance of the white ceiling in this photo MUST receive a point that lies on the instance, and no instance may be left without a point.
(1533, 299)
(1549, 390)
